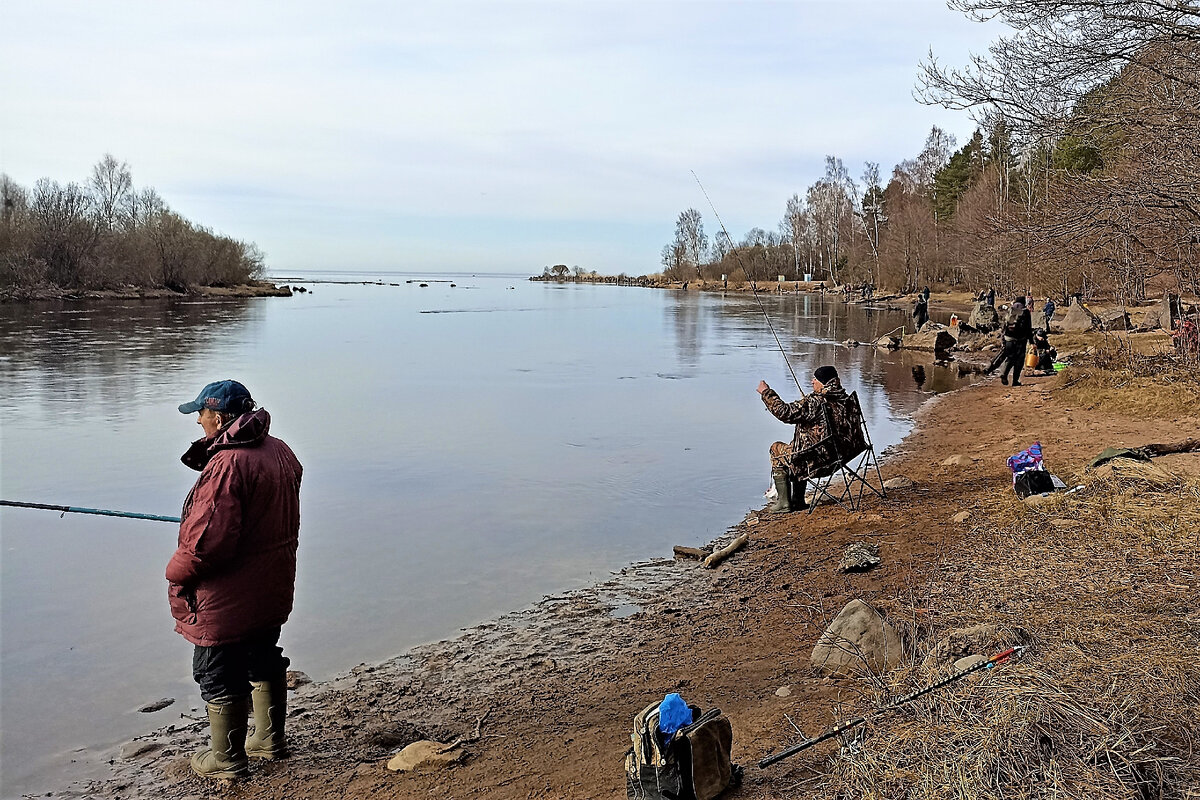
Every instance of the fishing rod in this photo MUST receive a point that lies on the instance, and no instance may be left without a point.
(753, 288)
(78, 510)
(842, 727)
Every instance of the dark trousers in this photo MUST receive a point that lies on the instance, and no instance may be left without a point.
(225, 670)
(1014, 359)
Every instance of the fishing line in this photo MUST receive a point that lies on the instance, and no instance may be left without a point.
(753, 288)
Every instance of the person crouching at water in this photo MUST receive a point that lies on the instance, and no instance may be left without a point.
(792, 464)
(232, 578)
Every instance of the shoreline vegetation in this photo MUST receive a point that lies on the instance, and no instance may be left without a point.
(107, 238)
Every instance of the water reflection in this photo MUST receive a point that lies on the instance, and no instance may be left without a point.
(70, 358)
(458, 465)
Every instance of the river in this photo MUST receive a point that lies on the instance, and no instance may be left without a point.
(469, 446)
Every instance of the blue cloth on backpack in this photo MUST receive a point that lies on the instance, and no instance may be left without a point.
(673, 714)
(1026, 459)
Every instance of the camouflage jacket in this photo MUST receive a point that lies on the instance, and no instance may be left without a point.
(813, 446)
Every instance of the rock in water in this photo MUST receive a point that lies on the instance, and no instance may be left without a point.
(929, 338)
(425, 756)
(157, 705)
(857, 638)
(860, 557)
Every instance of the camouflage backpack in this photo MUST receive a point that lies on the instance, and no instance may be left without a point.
(693, 764)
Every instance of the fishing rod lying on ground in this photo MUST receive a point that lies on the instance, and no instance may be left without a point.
(77, 510)
(842, 727)
(753, 288)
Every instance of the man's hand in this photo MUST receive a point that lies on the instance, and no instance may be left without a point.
(762, 387)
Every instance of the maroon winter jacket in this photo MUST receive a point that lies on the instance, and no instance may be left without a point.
(234, 572)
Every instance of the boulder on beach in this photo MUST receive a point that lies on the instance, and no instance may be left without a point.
(898, 482)
(1114, 319)
(1077, 319)
(857, 638)
(984, 317)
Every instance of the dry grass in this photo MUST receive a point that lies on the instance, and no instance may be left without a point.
(1131, 376)
(1107, 701)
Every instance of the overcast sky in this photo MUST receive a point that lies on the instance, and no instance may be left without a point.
(482, 136)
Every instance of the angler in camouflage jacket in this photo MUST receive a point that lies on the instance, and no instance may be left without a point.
(812, 450)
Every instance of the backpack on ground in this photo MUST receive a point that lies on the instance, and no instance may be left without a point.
(693, 764)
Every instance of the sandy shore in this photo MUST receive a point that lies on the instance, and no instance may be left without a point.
(551, 689)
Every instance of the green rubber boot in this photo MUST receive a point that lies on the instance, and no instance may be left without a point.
(269, 700)
(783, 499)
(227, 725)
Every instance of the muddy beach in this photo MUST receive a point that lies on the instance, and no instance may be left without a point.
(545, 695)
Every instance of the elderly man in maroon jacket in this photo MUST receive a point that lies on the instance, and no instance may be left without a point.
(232, 578)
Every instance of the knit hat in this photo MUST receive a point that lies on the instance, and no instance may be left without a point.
(825, 374)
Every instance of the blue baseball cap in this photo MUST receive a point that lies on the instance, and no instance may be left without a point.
(219, 396)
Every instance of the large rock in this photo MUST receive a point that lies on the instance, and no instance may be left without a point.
(930, 337)
(857, 639)
(1114, 319)
(424, 756)
(984, 317)
(1037, 319)
(1077, 319)
(898, 482)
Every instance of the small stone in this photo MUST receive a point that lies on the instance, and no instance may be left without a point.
(296, 679)
(962, 517)
(967, 662)
(783, 691)
(1060, 522)
(859, 557)
(1040, 500)
(157, 705)
(135, 749)
(957, 461)
(899, 482)
(424, 756)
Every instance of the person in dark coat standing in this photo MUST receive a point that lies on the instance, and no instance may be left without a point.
(1049, 310)
(232, 579)
(991, 297)
(920, 312)
(1015, 334)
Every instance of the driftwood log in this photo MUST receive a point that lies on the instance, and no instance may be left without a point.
(720, 555)
(1186, 446)
(691, 552)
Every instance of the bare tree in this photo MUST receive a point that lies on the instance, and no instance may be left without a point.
(691, 239)
(111, 186)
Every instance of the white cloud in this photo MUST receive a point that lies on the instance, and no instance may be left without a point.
(572, 124)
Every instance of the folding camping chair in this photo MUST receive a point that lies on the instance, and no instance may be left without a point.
(860, 459)
(848, 453)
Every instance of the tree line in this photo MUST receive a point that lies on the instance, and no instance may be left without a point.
(106, 233)
(1082, 176)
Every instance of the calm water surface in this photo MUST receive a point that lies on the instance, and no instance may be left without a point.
(467, 449)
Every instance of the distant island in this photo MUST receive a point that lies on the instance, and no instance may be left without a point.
(105, 237)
